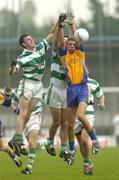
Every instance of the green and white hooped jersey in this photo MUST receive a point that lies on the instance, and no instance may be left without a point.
(33, 62)
(37, 109)
(57, 72)
(94, 89)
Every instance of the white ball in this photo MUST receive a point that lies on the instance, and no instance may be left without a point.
(81, 35)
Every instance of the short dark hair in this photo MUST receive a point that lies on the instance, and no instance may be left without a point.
(21, 39)
(70, 39)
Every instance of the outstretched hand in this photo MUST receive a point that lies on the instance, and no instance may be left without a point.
(70, 18)
(62, 17)
(12, 69)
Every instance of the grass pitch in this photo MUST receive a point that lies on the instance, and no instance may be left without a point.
(106, 167)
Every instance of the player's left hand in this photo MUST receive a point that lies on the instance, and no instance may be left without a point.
(101, 106)
(70, 18)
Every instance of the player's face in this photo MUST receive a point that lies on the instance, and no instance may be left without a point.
(29, 43)
(71, 46)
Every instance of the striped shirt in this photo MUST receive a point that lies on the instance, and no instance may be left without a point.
(58, 78)
(94, 89)
(32, 63)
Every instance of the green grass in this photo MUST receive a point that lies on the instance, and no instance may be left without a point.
(106, 167)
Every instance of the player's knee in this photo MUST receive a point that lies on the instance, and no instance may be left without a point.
(64, 124)
(57, 124)
(70, 126)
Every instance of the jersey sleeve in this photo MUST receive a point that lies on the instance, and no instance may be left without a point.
(62, 52)
(99, 91)
(15, 99)
(54, 53)
(43, 46)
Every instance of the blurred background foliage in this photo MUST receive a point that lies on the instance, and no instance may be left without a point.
(99, 24)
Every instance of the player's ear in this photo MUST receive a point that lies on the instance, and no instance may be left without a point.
(23, 45)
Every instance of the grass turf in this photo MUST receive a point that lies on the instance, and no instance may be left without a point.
(106, 167)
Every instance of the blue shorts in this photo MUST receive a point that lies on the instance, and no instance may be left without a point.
(77, 93)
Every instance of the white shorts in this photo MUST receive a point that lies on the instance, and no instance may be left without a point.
(33, 123)
(30, 89)
(79, 126)
(57, 98)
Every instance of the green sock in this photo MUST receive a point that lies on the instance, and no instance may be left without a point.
(41, 144)
(50, 141)
(87, 161)
(31, 157)
(63, 147)
(18, 138)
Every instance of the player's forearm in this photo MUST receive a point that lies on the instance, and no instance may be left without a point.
(101, 104)
(61, 39)
(102, 99)
(52, 34)
(59, 24)
(13, 106)
(72, 27)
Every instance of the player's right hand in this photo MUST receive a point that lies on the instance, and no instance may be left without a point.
(62, 17)
(12, 70)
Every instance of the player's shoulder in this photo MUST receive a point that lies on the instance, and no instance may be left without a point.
(24, 54)
(62, 51)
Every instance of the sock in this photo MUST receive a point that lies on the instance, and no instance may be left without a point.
(71, 145)
(63, 147)
(92, 135)
(12, 155)
(18, 138)
(50, 141)
(31, 157)
(42, 143)
(86, 161)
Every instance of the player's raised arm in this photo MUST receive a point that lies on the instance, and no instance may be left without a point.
(70, 21)
(53, 32)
